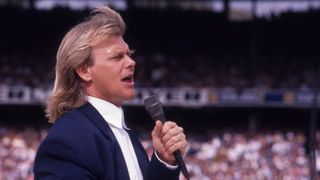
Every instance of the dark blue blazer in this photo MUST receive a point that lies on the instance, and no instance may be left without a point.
(81, 145)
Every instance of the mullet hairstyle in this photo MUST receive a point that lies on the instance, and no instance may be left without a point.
(74, 51)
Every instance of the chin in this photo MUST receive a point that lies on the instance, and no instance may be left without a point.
(131, 95)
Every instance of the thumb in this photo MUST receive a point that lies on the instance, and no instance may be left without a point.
(157, 129)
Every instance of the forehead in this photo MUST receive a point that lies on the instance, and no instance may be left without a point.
(111, 44)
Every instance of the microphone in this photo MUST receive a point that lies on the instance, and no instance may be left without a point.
(154, 108)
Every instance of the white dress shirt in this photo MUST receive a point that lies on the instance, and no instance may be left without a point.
(114, 117)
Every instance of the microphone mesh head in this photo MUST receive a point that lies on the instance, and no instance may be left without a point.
(154, 107)
(150, 101)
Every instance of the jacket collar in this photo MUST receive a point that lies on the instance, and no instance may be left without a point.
(93, 115)
(110, 112)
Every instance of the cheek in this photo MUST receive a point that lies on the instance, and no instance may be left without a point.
(114, 80)
(111, 75)
(116, 73)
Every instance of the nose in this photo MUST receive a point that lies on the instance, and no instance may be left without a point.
(131, 62)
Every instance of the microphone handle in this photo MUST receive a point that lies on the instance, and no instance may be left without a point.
(181, 164)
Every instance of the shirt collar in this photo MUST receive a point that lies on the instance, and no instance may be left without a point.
(110, 112)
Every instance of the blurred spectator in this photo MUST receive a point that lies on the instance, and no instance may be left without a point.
(169, 71)
(17, 152)
(218, 155)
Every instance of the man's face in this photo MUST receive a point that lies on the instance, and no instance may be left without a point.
(110, 77)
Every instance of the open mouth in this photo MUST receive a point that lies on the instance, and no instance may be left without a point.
(128, 79)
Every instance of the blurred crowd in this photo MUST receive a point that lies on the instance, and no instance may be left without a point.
(232, 71)
(174, 50)
(25, 69)
(160, 70)
(231, 155)
(278, 52)
(242, 156)
(18, 147)
(215, 155)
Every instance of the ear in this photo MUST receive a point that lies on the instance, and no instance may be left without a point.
(83, 72)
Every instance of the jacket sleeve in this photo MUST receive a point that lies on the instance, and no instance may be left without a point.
(58, 159)
(158, 171)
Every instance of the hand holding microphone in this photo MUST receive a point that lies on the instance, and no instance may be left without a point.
(168, 138)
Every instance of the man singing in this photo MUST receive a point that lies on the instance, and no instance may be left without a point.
(89, 138)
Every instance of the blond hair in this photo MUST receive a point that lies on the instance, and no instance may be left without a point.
(74, 51)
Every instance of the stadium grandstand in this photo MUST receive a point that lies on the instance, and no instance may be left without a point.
(240, 76)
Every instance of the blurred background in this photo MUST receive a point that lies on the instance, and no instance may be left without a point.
(239, 75)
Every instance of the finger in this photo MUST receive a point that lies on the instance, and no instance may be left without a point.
(174, 140)
(171, 133)
(181, 146)
(167, 126)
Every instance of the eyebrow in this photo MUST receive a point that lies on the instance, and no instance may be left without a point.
(126, 51)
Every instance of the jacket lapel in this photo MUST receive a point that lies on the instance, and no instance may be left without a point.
(93, 115)
(140, 153)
